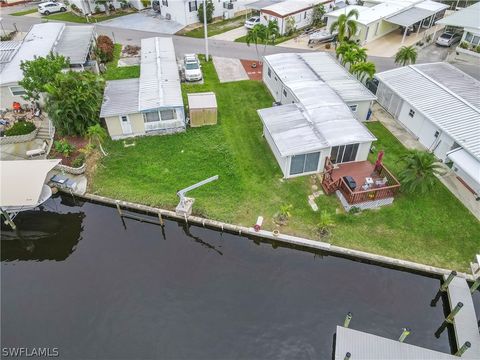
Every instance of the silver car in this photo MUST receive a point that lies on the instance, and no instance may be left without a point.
(448, 38)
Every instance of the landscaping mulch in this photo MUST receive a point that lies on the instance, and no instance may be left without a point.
(77, 141)
(254, 73)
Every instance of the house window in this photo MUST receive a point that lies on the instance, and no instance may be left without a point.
(304, 163)
(152, 116)
(437, 133)
(192, 5)
(17, 90)
(284, 92)
(344, 153)
(167, 114)
(353, 107)
(269, 72)
(305, 15)
(165, 3)
(411, 113)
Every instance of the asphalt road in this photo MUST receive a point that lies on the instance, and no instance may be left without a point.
(222, 48)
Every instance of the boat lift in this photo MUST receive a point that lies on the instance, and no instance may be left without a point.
(184, 207)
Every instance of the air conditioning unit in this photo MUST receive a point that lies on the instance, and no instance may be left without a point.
(228, 5)
(168, 16)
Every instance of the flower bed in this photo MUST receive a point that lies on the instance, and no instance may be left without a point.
(18, 138)
(72, 170)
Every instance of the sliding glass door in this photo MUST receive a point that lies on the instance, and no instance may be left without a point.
(304, 163)
(344, 153)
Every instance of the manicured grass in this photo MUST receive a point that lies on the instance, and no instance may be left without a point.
(117, 73)
(433, 229)
(24, 12)
(216, 28)
(71, 17)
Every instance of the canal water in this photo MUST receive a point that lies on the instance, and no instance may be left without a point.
(83, 283)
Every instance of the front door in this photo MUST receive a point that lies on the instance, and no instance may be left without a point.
(126, 126)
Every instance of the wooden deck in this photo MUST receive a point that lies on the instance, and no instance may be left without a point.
(359, 171)
(465, 322)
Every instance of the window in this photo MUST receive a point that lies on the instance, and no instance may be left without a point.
(305, 15)
(167, 114)
(353, 107)
(269, 72)
(343, 153)
(192, 5)
(436, 134)
(124, 118)
(376, 28)
(165, 3)
(304, 163)
(152, 116)
(284, 92)
(17, 90)
(469, 37)
(411, 113)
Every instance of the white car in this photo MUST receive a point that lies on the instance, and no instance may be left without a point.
(250, 23)
(51, 7)
(192, 68)
(448, 38)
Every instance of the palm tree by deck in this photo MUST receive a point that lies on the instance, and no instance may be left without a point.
(363, 70)
(420, 171)
(345, 25)
(97, 134)
(406, 55)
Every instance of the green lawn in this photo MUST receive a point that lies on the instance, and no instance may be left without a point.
(277, 41)
(24, 12)
(117, 73)
(215, 28)
(432, 229)
(71, 17)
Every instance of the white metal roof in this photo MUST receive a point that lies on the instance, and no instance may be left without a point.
(39, 41)
(22, 181)
(409, 16)
(74, 43)
(294, 68)
(445, 95)
(466, 18)
(159, 77)
(288, 7)
(466, 162)
(120, 98)
(7, 50)
(205, 100)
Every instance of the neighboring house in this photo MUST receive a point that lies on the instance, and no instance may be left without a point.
(149, 105)
(315, 119)
(73, 42)
(88, 6)
(375, 21)
(292, 14)
(185, 12)
(467, 19)
(284, 73)
(440, 105)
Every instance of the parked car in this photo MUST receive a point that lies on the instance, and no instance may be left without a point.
(448, 38)
(51, 7)
(192, 68)
(250, 23)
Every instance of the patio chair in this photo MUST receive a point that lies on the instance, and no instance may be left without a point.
(38, 151)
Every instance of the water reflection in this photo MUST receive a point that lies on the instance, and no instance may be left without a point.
(41, 235)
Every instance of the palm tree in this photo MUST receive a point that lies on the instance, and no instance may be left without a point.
(362, 70)
(420, 171)
(345, 26)
(97, 134)
(269, 34)
(256, 35)
(326, 222)
(343, 48)
(406, 55)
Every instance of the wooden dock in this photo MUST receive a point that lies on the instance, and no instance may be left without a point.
(465, 322)
(363, 346)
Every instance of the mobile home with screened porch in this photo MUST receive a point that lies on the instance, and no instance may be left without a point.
(151, 104)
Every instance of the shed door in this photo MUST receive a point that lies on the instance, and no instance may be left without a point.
(126, 125)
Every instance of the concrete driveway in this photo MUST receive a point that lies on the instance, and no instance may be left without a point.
(231, 35)
(229, 69)
(148, 20)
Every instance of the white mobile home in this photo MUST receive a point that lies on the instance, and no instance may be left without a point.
(149, 105)
(292, 14)
(286, 75)
(73, 42)
(440, 105)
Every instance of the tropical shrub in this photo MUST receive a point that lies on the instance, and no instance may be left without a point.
(317, 15)
(63, 147)
(105, 48)
(464, 45)
(79, 160)
(73, 101)
(419, 173)
(345, 25)
(406, 55)
(325, 224)
(146, 3)
(20, 128)
(210, 9)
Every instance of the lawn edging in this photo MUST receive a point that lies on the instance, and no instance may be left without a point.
(284, 238)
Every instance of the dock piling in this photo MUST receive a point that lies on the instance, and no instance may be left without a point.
(347, 356)
(405, 333)
(160, 219)
(448, 280)
(464, 348)
(118, 208)
(475, 285)
(348, 318)
(454, 312)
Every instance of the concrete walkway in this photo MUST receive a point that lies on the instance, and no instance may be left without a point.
(229, 69)
(449, 179)
(231, 35)
(144, 21)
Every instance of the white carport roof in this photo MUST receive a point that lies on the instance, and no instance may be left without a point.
(466, 18)
(22, 181)
(75, 43)
(288, 7)
(416, 13)
(466, 162)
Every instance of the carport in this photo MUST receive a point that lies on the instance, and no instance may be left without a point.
(425, 14)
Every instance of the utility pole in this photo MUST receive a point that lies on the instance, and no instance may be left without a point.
(205, 28)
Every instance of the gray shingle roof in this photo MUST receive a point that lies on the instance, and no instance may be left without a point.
(120, 98)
